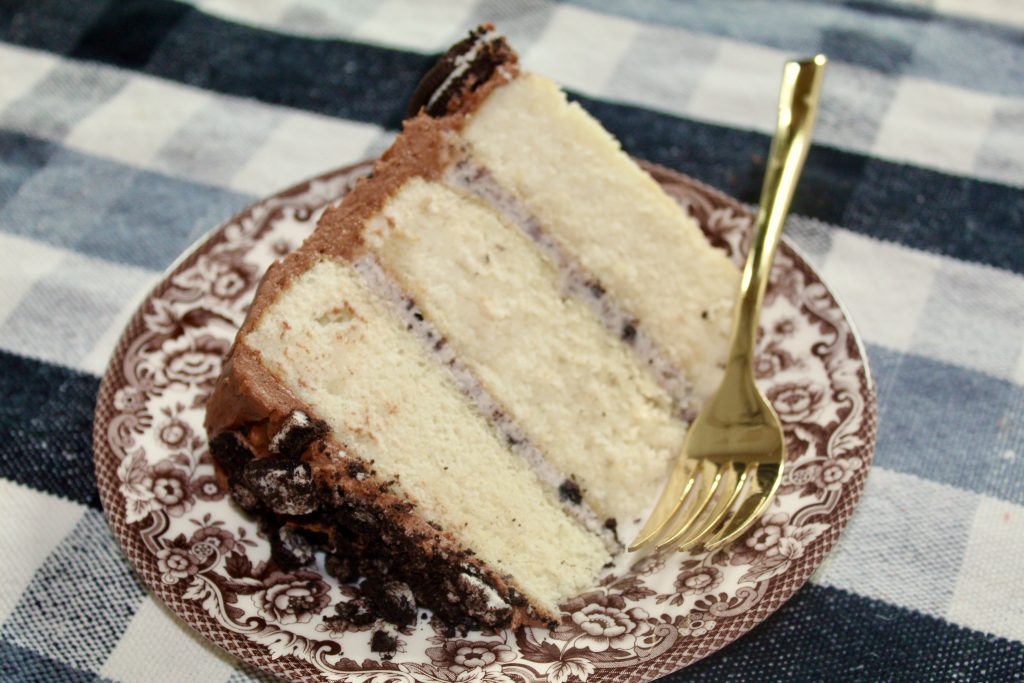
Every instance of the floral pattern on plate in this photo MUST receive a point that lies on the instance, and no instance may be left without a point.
(207, 561)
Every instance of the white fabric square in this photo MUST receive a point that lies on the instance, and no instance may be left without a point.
(741, 88)
(300, 146)
(252, 12)
(581, 49)
(1018, 373)
(904, 543)
(422, 26)
(649, 74)
(934, 124)
(989, 591)
(85, 294)
(1002, 154)
(34, 525)
(218, 140)
(158, 648)
(20, 70)
(134, 124)
(23, 262)
(98, 358)
(884, 286)
(996, 11)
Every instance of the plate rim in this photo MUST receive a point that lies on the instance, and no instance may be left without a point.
(776, 594)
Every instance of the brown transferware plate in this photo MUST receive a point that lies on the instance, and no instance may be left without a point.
(204, 558)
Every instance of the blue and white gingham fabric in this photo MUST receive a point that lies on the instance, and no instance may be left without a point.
(127, 129)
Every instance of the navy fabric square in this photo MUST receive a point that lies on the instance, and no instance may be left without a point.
(46, 427)
(128, 32)
(53, 25)
(23, 665)
(961, 217)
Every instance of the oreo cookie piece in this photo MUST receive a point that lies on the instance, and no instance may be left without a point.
(284, 486)
(231, 451)
(393, 601)
(243, 496)
(355, 612)
(468, 64)
(384, 641)
(343, 568)
(292, 547)
(295, 434)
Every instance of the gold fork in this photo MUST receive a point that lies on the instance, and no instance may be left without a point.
(736, 443)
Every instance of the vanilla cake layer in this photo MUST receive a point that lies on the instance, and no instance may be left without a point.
(384, 397)
(589, 196)
(578, 393)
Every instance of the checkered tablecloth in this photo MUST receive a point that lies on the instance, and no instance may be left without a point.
(128, 129)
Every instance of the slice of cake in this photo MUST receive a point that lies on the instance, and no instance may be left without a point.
(480, 362)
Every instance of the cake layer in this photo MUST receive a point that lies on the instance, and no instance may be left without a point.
(577, 392)
(341, 350)
(601, 207)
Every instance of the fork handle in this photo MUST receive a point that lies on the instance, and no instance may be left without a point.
(798, 103)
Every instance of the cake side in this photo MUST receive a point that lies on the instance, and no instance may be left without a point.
(338, 487)
(636, 242)
(498, 309)
(364, 513)
(574, 390)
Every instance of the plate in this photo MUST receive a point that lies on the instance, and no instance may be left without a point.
(206, 561)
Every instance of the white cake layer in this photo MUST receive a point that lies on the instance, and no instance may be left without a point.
(345, 353)
(578, 393)
(613, 217)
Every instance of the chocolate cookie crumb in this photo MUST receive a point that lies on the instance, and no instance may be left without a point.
(393, 601)
(383, 643)
(231, 451)
(291, 548)
(344, 569)
(244, 496)
(570, 491)
(295, 434)
(284, 486)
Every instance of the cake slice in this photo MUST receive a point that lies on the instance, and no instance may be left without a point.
(481, 361)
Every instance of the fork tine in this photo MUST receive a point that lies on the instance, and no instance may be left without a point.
(668, 505)
(738, 473)
(767, 480)
(715, 475)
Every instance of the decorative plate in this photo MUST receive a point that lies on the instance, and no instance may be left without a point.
(205, 559)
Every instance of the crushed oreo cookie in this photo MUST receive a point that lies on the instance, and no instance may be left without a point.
(244, 496)
(384, 641)
(569, 491)
(231, 451)
(295, 434)
(292, 547)
(393, 600)
(355, 612)
(345, 569)
(284, 486)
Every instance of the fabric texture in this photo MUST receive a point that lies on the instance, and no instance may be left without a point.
(130, 128)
